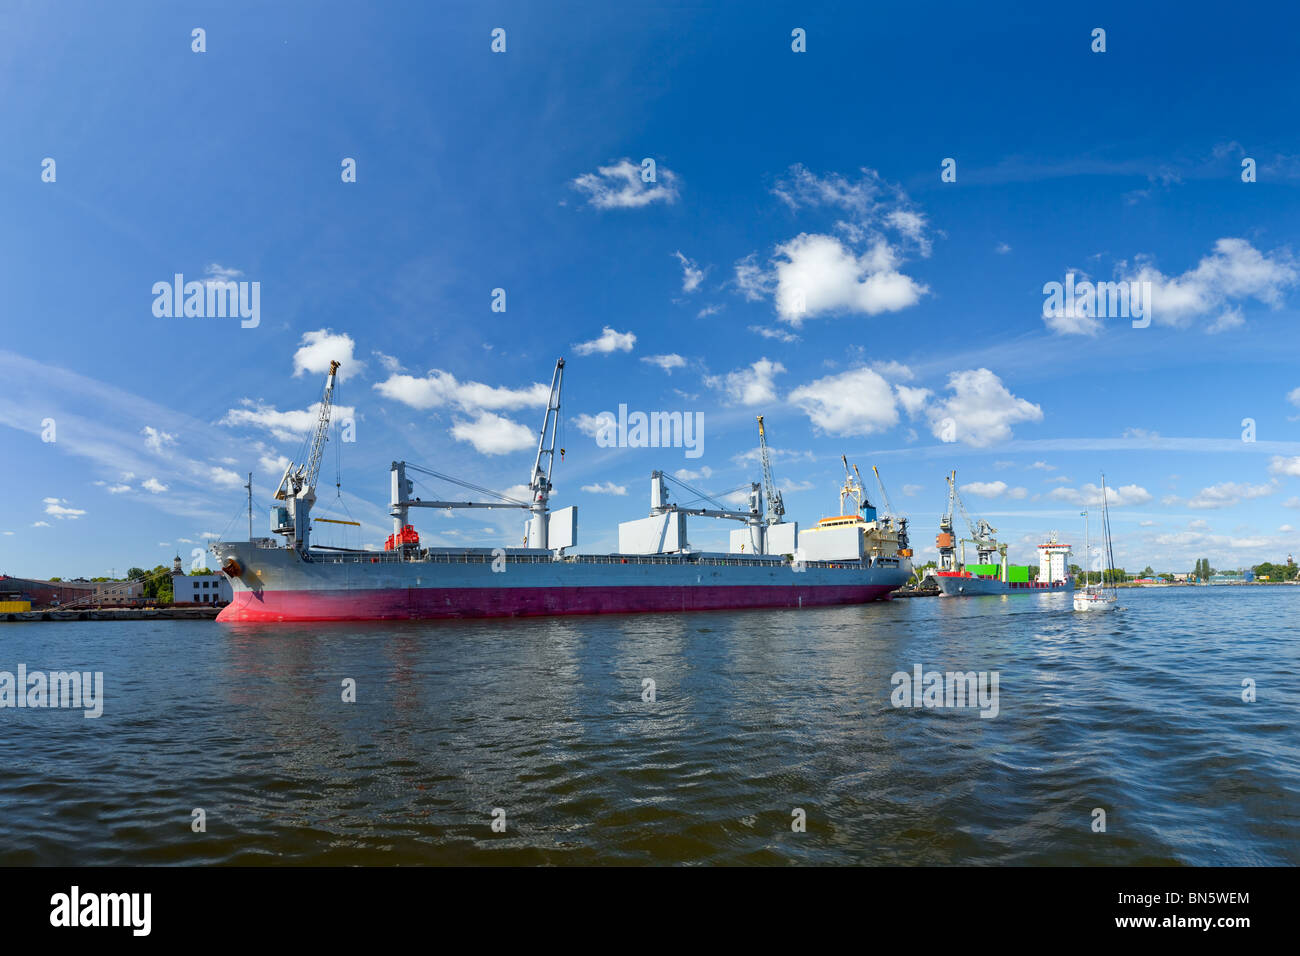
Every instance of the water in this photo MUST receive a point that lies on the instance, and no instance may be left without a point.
(757, 713)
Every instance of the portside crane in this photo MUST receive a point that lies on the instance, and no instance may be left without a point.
(298, 485)
(897, 523)
(775, 504)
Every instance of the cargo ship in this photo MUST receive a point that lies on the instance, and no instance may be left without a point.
(955, 578)
(850, 559)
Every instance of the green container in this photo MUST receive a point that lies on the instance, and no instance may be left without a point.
(1018, 574)
(985, 569)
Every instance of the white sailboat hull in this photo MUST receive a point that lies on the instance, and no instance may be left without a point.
(1094, 601)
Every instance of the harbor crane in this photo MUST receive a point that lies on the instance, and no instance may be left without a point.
(775, 504)
(539, 484)
(853, 491)
(945, 541)
(298, 486)
(981, 532)
(897, 523)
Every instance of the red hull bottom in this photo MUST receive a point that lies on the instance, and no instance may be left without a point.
(434, 603)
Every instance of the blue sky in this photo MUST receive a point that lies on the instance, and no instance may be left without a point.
(779, 175)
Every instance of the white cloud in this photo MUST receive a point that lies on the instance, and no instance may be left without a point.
(1234, 270)
(275, 464)
(1228, 493)
(620, 186)
(692, 274)
(118, 489)
(609, 341)
(666, 362)
(993, 489)
(817, 274)
(980, 408)
(605, 488)
(707, 311)
(40, 524)
(156, 439)
(390, 363)
(685, 474)
(752, 386)
(592, 425)
(153, 485)
(751, 457)
(1089, 495)
(318, 348)
(491, 434)
(1285, 466)
(912, 399)
(1043, 466)
(781, 335)
(225, 478)
(57, 508)
(286, 426)
(856, 402)
(1002, 249)
(439, 389)
(218, 273)
(912, 491)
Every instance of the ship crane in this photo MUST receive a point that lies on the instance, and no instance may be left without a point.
(775, 504)
(945, 542)
(298, 486)
(852, 490)
(899, 524)
(659, 503)
(981, 532)
(539, 484)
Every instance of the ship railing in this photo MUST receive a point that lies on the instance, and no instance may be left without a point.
(394, 557)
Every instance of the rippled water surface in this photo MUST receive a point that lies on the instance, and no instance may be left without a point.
(756, 713)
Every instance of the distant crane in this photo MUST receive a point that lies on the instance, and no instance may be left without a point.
(853, 490)
(981, 532)
(899, 523)
(298, 486)
(945, 541)
(775, 504)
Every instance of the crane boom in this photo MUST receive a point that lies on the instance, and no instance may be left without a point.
(540, 484)
(298, 485)
(775, 504)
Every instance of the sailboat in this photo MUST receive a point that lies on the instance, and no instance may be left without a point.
(1100, 596)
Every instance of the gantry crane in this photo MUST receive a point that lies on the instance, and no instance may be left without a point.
(298, 486)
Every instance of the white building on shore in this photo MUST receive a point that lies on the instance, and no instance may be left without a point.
(199, 588)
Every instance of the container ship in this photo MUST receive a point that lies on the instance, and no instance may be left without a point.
(851, 558)
(956, 578)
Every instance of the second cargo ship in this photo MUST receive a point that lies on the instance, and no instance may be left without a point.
(848, 559)
(956, 578)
